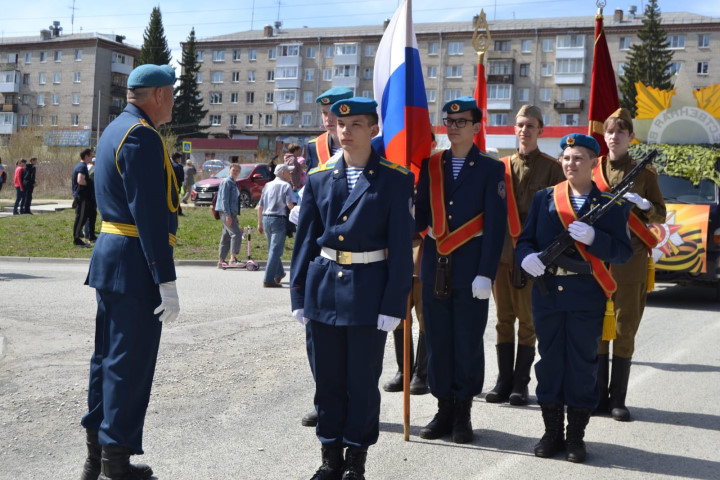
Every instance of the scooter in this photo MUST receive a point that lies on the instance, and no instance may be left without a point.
(251, 264)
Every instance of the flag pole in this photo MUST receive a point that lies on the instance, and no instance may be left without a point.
(481, 42)
(407, 330)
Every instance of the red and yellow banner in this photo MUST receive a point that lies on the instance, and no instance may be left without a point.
(682, 239)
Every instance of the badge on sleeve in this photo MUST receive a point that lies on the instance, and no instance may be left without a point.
(501, 189)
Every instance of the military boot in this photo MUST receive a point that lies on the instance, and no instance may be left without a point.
(602, 380)
(442, 422)
(91, 469)
(396, 383)
(332, 463)
(310, 419)
(419, 382)
(116, 465)
(354, 468)
(521, 376)
(553, 440)
(462, 431)
(618, 388)
(577, 419)
(501, 392)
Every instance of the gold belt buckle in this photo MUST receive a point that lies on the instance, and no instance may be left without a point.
(343, 258)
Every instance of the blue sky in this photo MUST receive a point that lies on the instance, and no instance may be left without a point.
(131, 17)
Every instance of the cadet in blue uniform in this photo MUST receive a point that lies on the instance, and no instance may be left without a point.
(317, 152)
(351, 274)
(133, 273)
(569, 318)
(458, 187)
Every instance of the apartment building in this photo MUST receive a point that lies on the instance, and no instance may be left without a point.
(70, 85)
(264, 82)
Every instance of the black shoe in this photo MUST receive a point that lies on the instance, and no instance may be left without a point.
(396, 383)
(419, 381)
(462, 431)
(553, 441)
(354, 468)
(310, 419)
(116, 465)
(332, 463)
(505, 358)
(618, 388)
(577, 421)
(442, 422)
(521, 375)
(82, 245)
(91, 468)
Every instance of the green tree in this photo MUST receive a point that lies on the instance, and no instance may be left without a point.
(188, 110)
(649, 60)
(155, 47)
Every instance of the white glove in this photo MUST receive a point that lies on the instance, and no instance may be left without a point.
(299, 315)
(582, 232)
(387, 323)
(481, 287)
(295, 214)
(642, 203)
(170, 302)
(532, 265)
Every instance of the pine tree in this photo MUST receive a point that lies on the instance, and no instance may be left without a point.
(188, 111)
(155, 47)
(648, 61)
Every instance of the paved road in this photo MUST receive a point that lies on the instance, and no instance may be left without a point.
(233, 381)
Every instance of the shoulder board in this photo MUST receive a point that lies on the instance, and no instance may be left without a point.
(394, 166)
(545, 155)
(314, 140)
(488, 157)
(321, 168)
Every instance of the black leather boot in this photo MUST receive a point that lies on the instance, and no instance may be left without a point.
(577, 421)
(618, 388)
(553, 440)
(354, 468)
(310, 419)
(419, 383)
(116, 465)
(442, 422)
(462, 431)
(332, 463)
(521, 376)
(505, 357)
(603, 372)
(396, 383)
(91, 469)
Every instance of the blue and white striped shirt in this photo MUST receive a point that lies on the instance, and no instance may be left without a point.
(457, 164)
(353, 173)
(578, 201)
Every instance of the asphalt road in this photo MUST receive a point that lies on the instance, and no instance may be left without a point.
(233, 382)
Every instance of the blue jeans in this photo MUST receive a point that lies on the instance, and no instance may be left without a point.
(19, 201)
(275, 232)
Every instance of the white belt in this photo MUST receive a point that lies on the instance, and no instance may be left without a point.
(347, 258)
(432, 235)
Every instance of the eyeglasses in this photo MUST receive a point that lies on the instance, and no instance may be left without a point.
(456, 122)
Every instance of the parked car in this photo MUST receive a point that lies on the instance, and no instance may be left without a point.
(213, 166)
(252, 179)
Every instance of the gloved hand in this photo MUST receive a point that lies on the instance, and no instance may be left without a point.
(387, 323)
(532, 265)
(299, 315)
(295, 214)
(170, 302)
(642, 203)
(582, 232)
(481, 287)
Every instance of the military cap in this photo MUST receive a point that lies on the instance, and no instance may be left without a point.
(530, 111)
(460, 104)
(333, 95)
(354, 106)
(622, 113)
(150, 75)
(580, 140)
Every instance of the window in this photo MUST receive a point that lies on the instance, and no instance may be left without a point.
(236, 55)
(249, 120)
(216, 77)
(306, 119)
(117, 102)
(289, 50)
(570, 66)
(270, 97)
(287, 119)
(569, 94)
(502, 45)
(433, 48)
(524, 69)
(57, 76)
(621, 69)
(368, 74)
(199, 56)
(430, 95)
(215, 119)
(546, 70)
(76, 77)
(676, 41)
(309, 74)
(548, 45)
(327, 75)
(498, 119)
(39, 119)
(345, 48)
(249, 97)
(702, 68)
(24, 120)
(28, 57)
(235, 77)
(308, 97)
(119, 58)
(76, 99)
(218, 55)
(285, 96)
(270, 77)
(252, 54)
(546, 119)
(232, 120)
(674, 68)
(234, 97)
(215, 98)
(569, 119)
(55, 99)
(523, 95)
(455, 48)
(453, 71)
(25, 99)
(53, 120)
(526, 46)
(703, 42)
(41, 99)
(286, 72)
(199, 77)
(26, 79)
(251, 76)
(43, 57)
(499, 92)
(329, 51)
(367, 94)
(570, 41)
(41, 78)
(500, 67)
(268, 120)
(75, 119)
(625, 43)
(272, 54)
(345, 71)
(432, 119)
(452, 94)
(58, 55)
(310, 52)
(432, 72)
(369, 50)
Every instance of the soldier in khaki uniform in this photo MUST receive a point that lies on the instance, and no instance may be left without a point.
(526, 172)
(631, 277)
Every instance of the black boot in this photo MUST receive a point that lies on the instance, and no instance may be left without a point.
(116, 465)
(462, 431)
(91, 469)
(332, 463)
(553, 440)
(602, 380)
(354, 468)
(442, 422)
(504, 385)
(577, 421)
(310, 419)
(419, 382)
(396, 383)
(618, 388)
(521, 376)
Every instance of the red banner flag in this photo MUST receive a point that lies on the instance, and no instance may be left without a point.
(481, 99)
(603, 89)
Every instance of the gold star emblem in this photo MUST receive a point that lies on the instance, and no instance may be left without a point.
(325, 100)
(570, 141)
(344, 109)
(455, 107)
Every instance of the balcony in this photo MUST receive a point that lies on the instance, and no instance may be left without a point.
(10, 82)
(9, 107)
(504, 79)
(569, 79)
(347, 82)
(569, 106)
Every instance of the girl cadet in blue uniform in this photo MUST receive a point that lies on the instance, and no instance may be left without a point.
(568, 319)
(351, 274)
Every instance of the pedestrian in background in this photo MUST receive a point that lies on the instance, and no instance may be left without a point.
(3, 175)
(89, 227)
(19, 189)
(291, 159)
(179, 175)
(189, 171)
(228, 206)
(275, 203)
(29, 180)
(82, 198)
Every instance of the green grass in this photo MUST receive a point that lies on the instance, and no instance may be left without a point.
(50, 235)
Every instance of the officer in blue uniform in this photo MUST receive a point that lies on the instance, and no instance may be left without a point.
(458, 186)
(133, 273)
(351, 275)
(568, 319)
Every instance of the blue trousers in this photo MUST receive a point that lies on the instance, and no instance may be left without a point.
(127, 339)
(276, 233)
(348, 363)
(19, 201)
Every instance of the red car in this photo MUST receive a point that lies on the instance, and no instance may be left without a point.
(252, 179)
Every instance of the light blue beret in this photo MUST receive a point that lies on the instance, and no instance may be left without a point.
(333, 95)
(460, 104)
(150, 75)
(580, 140)
(354, 106)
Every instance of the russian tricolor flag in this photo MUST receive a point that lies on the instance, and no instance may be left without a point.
(400, 93)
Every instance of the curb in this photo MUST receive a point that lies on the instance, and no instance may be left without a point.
(195, 263)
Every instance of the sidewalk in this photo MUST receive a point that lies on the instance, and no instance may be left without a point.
(38, 206)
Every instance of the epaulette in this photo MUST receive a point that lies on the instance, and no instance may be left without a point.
(314, 140)
(394, 166)
(551, 158)
(321, 168)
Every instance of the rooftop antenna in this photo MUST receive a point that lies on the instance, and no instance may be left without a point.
(72, 17)
(252, 15)
(278, 14)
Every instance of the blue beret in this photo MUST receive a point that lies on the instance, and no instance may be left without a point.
(354, 106)
(460, 104)
(580, 140)
(150, 75)
(333, 95)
